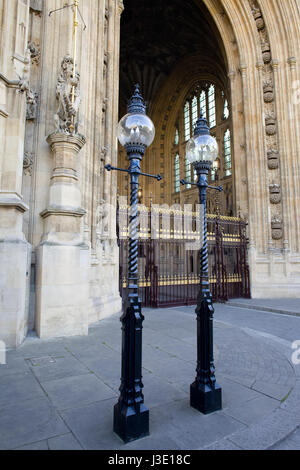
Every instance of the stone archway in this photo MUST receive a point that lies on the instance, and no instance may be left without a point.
(261, 71)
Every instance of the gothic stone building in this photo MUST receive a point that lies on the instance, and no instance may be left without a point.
(237, 60)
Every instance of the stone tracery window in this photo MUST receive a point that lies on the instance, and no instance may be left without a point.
(214, 102)
(212, 106)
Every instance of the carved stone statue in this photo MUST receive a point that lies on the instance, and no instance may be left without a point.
(102, 220)
(68, 96)
(31, 101)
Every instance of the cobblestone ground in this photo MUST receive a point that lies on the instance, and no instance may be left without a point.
(60, 394)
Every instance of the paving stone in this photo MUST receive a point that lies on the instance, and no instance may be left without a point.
(173, 370)
(108, 370)
(16, 388)
(65, 442)
(166, 349)
(253, 410)
(151, 442)
(44, 347)
(277, 391)
(267, 432)
(14, 365)
(57, 367)
(292, 401)
(30, 421)
(92, 425)
(189, 428)
(158, 392)
(94, 350)
(292, 442)
(77, 390)
(250, 347)
(233, 394)
(222, 444)
(41, 445)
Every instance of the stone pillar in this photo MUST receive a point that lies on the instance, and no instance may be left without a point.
(62, 256)
(14, 249)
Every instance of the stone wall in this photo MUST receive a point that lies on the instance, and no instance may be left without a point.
(261, 41)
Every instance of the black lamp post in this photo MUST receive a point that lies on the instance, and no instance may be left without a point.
(131, 417)
(205, 394)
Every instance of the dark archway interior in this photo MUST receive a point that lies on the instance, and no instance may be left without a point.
(156, 35)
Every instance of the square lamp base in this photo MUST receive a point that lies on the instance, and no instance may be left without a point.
(130, 424)
(204, 398)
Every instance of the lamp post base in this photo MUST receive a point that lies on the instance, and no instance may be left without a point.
(130, 424)
(204, 398)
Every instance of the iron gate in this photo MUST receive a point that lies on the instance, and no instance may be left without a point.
(169, 261)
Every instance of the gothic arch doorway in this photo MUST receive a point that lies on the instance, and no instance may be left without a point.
(176, 53)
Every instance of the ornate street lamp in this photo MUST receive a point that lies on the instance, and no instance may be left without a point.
(131, 417)
(205, 394)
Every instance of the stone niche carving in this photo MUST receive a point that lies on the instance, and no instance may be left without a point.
(23, 85)
(102, 219)
(271, 124)
(268, 92)
(260, 24)
(31, 101)
(273, 159)
(68, 96)
(27, 163)
(275, 193)
(266, 52)
(277, 229)
(35, 53)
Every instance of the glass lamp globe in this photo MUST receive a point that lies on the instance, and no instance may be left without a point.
(136, 129)
(202, 148)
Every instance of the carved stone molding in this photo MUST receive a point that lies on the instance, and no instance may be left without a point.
(31, 101)
(277, 229)
(260, 24)
(35, 53)
(271, 124)
(120, 6)
(268, 91)
(266, 52)
(273, 159)
(275, 193)
(292, 61)
(28, 163)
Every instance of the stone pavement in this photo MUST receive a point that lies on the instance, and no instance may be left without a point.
(59, 394)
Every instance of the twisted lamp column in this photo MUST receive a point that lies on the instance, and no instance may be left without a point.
(131, 417)
(205, 394)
